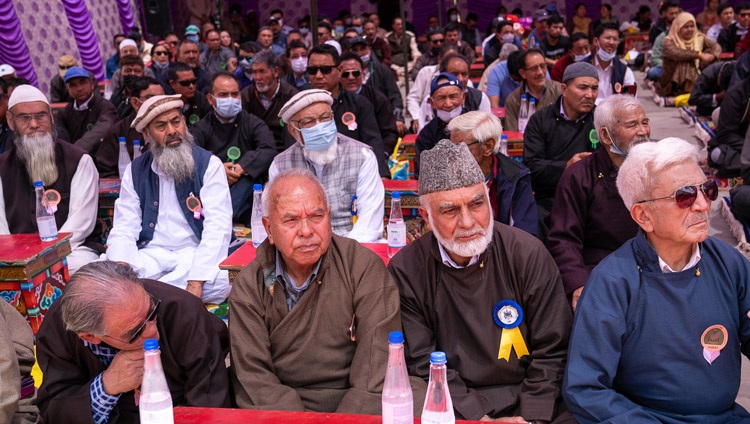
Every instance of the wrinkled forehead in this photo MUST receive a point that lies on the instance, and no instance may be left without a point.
(312, 111)
(29, 107)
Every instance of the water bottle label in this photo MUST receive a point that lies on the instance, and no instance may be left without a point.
(397, 237)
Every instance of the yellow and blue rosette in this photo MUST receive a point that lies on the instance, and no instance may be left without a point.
(508, 315)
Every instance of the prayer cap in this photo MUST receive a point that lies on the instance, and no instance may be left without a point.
(302, 100)
(579, 69)
(26, 94)
(452, 80)
(76, 72)
(6, 69)
(127, 42)
(448, 166)
(192, 30)
(154, 107)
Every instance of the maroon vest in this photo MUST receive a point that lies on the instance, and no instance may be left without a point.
(20, 199)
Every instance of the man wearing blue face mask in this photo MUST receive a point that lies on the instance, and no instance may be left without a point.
(347, 169)
(244, 72)
(230, 126)
(614, 74)
(589, 220)
(447, 97)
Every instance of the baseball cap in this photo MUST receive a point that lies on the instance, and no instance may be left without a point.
(75, 72)
(192, 30)
(541, 15)
(6, 69)
(452, 80)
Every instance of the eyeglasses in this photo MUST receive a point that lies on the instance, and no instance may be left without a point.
(321, 34)
(161, 53)
(174, 43)
(311, 122)
(26, 118)
(325, 70)
(472, 143)
(63, 67)
(149, 318)
(686, 196)
(540, 67)
(249, 59)
(745, 14)
(188, 83)
(354, 74)
(438, 41)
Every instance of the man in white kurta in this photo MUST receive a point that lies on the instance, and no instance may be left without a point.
(161, 242)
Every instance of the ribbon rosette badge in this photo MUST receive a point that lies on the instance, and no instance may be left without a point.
(713, 340)
(508, 315)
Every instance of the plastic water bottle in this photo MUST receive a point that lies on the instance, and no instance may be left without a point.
(398, 401)
(523, 114)
(124, 159)
(155, 404)
(438, 407)
(136, 149)
(504, 144)
(256, 218)
(532, 108)
(45, 218)
(396, 228)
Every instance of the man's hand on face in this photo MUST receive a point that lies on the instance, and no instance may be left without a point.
(125, 373)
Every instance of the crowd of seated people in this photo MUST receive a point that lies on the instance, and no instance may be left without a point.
(526, 259)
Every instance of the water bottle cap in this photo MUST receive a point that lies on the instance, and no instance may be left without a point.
(523, 96)
(395, 337)
(504, 137)
(136, 142)
(438, 358)
(532, 100)
(151, 344)
(257, 187)
(38, 184)
(395, 195)
(121, 139)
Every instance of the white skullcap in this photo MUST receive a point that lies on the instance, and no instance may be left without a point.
(25, 94)
(335, 45)
(302, 100)
(154, 107)
(127, 42)
(6, 69)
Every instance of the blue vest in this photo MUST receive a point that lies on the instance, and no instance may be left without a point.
(146, 184)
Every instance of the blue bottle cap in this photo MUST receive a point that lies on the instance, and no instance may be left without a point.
(532, 100)
(438, 358)
(136, 142)
(257, 187)
(38, 184)
(504, 137)
(151, 344)
(395, 337)
(523, 96)
(121, 139)
(395, 195)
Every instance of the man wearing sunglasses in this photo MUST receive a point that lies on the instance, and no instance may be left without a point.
(90, 347)
(662, 323)
(588, 219)
(183, 81)
(57, 91)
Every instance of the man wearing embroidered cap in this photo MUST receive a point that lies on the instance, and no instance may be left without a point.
(662, 325)
(347, 168)
(486, 294)
(88, 119)
(37, 155)
(173, 219)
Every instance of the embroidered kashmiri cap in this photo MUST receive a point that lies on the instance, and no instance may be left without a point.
(448, 166)
(154, 107)
(25, 94)
(579, 69)
(302, 100)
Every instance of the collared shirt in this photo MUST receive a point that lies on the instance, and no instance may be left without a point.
(447, 261)
(562, 113)
(694, 259)
(102, 402)
(292, 291)
(84, 105)
(605, 78)
(265, 101)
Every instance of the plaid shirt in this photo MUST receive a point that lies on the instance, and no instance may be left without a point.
(102, 403)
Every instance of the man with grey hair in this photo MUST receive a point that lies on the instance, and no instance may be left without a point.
(38, 155)
(508, 181)
(347, 168)
(486, 294)
(588, 219)
(312, 312)
(173, 219)
(90, 347)
(662, 322)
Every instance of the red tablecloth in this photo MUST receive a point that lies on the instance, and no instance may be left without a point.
(189, 415)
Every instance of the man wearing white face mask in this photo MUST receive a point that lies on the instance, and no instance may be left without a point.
(614, 74)
(447, 97)
(347, 169)
(230, 126)
(296, 56)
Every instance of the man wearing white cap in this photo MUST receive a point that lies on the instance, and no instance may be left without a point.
(36, 155)
(173, 220)
(128, 47)
(7, 71)
(347, 168)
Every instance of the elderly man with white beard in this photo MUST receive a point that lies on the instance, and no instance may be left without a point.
(173, 220)
(486, 294)
(347, 168)
(38, 155)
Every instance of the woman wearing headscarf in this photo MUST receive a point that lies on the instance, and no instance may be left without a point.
(685, 51)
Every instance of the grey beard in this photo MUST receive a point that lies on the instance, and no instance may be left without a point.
(322, 157)
(468, 249)
(37, 153)
(175, 162)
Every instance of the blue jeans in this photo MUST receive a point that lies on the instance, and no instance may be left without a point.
(654, 73)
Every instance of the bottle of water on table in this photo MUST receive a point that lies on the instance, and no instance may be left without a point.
(398, 400)
(438, 407)
(45, 217)
(155, 403)
(396, 228)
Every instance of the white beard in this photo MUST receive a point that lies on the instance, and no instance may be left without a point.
(323, 157)
(467, 249)
(37, 152)
(176, 162)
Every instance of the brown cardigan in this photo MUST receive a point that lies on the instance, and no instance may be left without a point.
(680, 72)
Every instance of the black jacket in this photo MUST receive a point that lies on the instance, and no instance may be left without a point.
(709, 84)
(381, 79)
(734, 120)
(196, 109)
(728, 38)
(384, 116)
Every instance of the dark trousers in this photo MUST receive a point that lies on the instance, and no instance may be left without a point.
(242, 200)
(741, 203)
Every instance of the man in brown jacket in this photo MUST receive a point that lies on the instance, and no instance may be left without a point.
(311, 314)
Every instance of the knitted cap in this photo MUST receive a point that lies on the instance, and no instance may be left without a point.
(448, 166)
(579, 69)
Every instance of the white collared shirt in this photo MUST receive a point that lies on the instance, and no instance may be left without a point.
(447, 261)
(605, 78)
(694, 259)
(83, 106)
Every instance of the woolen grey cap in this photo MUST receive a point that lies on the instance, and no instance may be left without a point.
(448, 166)
(579, 69)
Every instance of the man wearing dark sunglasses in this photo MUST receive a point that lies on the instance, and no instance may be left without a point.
(662, 323)
(588, 220)
(57, 91)
(183, 81)
(90, 347)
